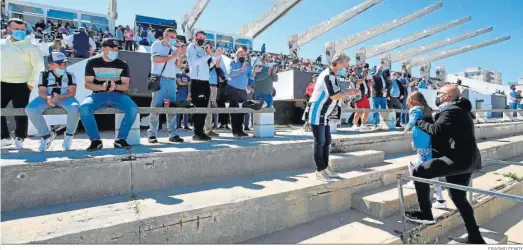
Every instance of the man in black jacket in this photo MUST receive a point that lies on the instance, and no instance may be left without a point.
(456, 157)
(380, 91)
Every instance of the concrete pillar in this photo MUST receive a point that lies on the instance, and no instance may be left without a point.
(387, 120)
(134, 133)
(263, 125)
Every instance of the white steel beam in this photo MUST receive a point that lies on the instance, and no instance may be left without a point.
(364, 53)
(402, 55)
(298, 40)
(341, 45)
(425, 59)
(268, 18)
(190, 18)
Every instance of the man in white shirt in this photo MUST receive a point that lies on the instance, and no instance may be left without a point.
(199, 61)
(22, 63)
(165, 62)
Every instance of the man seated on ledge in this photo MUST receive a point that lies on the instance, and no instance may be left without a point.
(108, 77)
(456, 157)
(56, 87)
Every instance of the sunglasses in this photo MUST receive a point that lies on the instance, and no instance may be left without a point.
(441, 93)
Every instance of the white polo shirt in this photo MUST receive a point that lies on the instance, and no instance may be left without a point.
(159, 49)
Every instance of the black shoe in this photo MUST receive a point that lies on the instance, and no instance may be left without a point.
(475, 240)
(95, 145)
(152, 139)
(213, 134)
(201, 138)
(227, 127)
(243, 134)
(419, 217)
(187, 128)
(221, 127)
(176, 138)
(246, 128)
(122, 143)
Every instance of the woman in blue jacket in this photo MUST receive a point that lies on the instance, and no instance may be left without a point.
(419, 110)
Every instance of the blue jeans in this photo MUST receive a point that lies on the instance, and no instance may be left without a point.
(513, 105)
(266, 97)
(378, 103)
(322, 141)
(404, 114)
(181, 94)
(167, 91)
(36, 107)
(97, 101)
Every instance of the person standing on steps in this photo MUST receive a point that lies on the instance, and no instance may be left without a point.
(166, 61)
(455, 156)
(326, 101)
(420, 109)
(22, 63)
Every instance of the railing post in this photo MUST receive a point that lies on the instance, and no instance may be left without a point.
(402, 210)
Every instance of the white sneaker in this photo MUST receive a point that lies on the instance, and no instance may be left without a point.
(19, 143)
(355, 127)
(323, 176)
(331, 173)
(409, 185)
(45, 143)
(7, 142)
(364, 128)
(439, 205)
(68, 140)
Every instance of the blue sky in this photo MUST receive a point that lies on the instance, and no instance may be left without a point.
(229, 15)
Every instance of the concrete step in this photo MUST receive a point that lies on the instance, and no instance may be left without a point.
(459, 236)
(509, 223)
(356, 227)
(384, 201)
(220, 212)
(224, 212)
(31, 179)
(346, 161)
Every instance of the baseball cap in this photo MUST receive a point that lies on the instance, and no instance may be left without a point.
(57, 57)
(110, 42)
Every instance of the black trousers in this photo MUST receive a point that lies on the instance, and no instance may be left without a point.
(322, 142)
(200, 92)
(129, 45)
(18, 93)
(444, 167)
(235, 97)
(222, 118)
(395, 103)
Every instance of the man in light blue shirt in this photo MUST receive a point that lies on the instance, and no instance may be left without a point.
(396, 96)
(150, 36)
(119, 36)
(237, 89)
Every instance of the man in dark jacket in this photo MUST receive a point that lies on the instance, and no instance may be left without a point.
(397, 94)
(381, 86)
(456, 157)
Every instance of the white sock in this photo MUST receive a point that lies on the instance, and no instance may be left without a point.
(439, 192)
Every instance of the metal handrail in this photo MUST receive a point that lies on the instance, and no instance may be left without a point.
(401, 177)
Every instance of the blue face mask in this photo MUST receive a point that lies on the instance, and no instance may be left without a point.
(342, 71)
(19, 35)
(172, 42)
(112, 55)
(60, 71)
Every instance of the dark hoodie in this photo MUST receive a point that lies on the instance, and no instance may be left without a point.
(452, 135)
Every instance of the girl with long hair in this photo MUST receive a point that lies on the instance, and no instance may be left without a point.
(419, 110)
